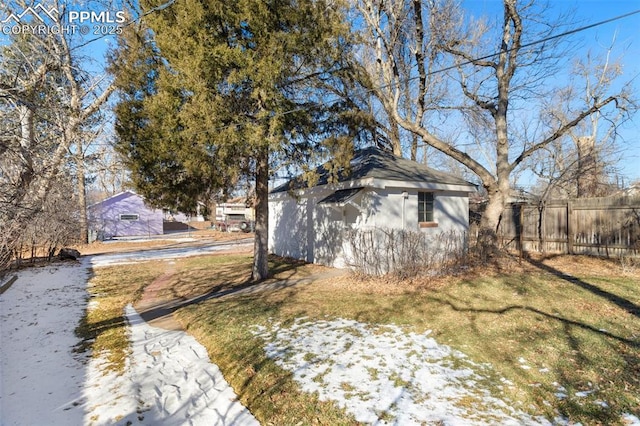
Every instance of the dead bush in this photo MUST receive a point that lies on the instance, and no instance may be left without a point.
(39, 234)
(405, 254)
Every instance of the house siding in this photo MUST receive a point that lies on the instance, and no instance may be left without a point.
(303, 229)
(329, 224)
(288, 221)
(104, 217)
(387, 208)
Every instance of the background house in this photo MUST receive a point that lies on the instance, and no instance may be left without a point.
(380, 191)
(124, 215)
(127, 215)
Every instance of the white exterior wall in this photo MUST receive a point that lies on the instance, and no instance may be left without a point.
(316, 233)
(288, 227)
(387, 208)
(329, 223)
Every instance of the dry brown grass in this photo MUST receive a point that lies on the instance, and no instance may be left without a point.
(197, 276)
(206, 274)
(594, 266)
(579, 331)
(563, 264)
(579, 334)
(104, 329)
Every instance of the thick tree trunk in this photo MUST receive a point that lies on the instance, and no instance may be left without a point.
(19, 207)
(394, 135)
(260, 269)
(414, 147)
(487, 243)
(491, 216)
(82, 197)
(27, 137)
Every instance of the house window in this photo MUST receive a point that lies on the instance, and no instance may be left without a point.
(425, 209)
(129, 217)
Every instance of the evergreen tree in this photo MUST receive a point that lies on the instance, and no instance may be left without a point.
(214, 91)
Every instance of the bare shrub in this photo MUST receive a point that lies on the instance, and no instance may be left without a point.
(52, 225)
(6, 246)
(405, 254)
(629, 264)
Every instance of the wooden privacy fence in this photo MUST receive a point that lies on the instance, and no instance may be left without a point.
(594, 226)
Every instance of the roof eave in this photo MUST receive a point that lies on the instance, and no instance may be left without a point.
(436, 186)
(376, 183)
(314, 190)
(112, 197)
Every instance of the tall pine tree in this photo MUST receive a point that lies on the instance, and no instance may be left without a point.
(213, 91)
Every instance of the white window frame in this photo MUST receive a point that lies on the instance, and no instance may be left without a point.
(427, 206)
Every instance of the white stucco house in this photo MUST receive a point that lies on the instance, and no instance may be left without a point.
(379, 191)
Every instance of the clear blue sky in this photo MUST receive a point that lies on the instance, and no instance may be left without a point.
(627, 47)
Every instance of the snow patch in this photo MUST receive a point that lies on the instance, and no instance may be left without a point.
(382, 374)
(169, 380)
(630, 419)
(168, 377)
(163, 254)
(41, 377)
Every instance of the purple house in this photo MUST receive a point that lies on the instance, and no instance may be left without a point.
(124, 215)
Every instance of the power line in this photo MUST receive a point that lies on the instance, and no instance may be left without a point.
(445, 69)
(469, 62)
(369, 91)
(533, 43)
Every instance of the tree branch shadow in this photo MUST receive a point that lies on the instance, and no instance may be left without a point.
(621, 302)
(564, 321)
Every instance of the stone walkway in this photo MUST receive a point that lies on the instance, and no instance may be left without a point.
(155, 310)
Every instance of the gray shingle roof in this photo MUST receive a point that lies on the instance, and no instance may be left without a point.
(375, 163)
(341, 196)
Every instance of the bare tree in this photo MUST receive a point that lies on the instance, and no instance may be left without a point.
(52, 227)
(50, 100)
(582, 163)
(108, 176)
(492, 92)
(398, 59)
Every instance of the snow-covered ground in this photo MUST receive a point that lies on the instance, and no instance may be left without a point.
(42, 379)
(168, 253)
(169, 379)
(384, 372)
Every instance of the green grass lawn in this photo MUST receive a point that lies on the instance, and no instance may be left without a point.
(547, 334)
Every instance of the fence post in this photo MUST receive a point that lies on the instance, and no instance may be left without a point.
(521, 232)
(569, 227)
(542, 211)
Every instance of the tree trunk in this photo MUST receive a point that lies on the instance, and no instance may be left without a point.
(488, 233)
(82, 196)
(260, 269)
(394, 136)
(588, 174)
(27, 137)
(414, 147)
(491, 216)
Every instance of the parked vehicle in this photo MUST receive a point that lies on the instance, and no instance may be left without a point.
(235, 223)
